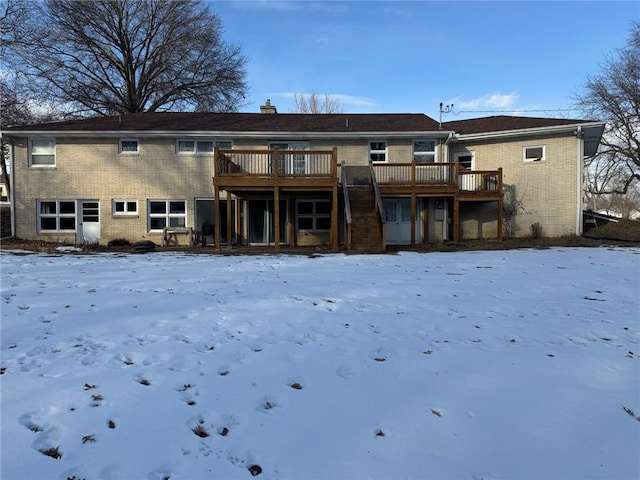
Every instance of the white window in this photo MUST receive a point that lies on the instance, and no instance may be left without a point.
(42, 152)
(167, 213)
(466, 160)
(56, 216)
(534, 153)
(313, 215)
(424, 151)
(128, 146)
(124, 207)
(203, 147)
(378, 151)
(224, 144)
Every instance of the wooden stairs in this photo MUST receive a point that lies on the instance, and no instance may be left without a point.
(366, 231)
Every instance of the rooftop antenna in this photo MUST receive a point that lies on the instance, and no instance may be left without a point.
(444, 109)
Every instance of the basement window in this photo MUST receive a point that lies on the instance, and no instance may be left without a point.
(534, 153)
(124, 207)
(313, 215)
(166, 214)
(56, 216)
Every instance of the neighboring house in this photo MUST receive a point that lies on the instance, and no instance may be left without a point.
(4, 194)
(361, 180)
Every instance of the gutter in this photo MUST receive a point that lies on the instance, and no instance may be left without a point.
(527, 131)
(228, 134)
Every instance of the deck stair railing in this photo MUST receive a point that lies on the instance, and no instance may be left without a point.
(347, 207)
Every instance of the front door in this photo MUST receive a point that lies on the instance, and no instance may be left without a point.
(89, 221)
(398, 216)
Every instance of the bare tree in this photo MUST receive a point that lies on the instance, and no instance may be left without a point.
(614, 96)
(315, 103)
(123, 56)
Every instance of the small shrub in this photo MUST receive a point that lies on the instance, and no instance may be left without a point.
(536, 230)
(119, 242)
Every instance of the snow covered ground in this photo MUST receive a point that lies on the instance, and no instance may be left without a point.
(478, 365)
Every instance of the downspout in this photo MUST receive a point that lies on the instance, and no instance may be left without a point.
(446, 146)
(579, 179)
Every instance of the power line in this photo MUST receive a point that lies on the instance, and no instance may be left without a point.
(515, 110)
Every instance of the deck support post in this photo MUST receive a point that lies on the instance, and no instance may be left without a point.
(500, 219)
(216, 218)
(456, 219)
(276, 220)
(500, 205)
(414, 214)
(333, 240)
(229, 219)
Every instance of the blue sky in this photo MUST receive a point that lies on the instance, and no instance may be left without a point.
(396, 57)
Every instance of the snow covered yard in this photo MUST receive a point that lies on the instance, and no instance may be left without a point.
(477, 365)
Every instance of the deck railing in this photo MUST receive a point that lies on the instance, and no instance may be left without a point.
(415, 173)
(452, 174)
(480, 181)
(272, 163)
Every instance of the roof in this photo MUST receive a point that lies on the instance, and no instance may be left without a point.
(502, 123)
(243, 122)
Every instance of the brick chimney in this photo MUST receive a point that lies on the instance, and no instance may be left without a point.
(268, 108)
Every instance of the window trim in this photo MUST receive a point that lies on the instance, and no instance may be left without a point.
(42, 165)
(167, 215)
(425, 153)
(126, 212)
(384, 152)
(57, 215)
(216, 143)
(526, 159)
(314, 215)
(127, 152)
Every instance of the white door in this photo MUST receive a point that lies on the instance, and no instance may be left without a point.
(466, 161)
(398, 216)
(295, 164)
(89, 221)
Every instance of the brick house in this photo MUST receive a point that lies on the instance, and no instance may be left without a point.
(363, 181)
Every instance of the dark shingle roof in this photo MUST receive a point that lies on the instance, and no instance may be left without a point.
(500, 123)
(244, 122)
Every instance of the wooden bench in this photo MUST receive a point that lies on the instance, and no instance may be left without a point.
(170, 236)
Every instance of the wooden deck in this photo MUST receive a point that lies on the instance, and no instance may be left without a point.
(438, 179)
(265, 169)
(276, 172)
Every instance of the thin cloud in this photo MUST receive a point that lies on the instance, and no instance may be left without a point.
(491, 101)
